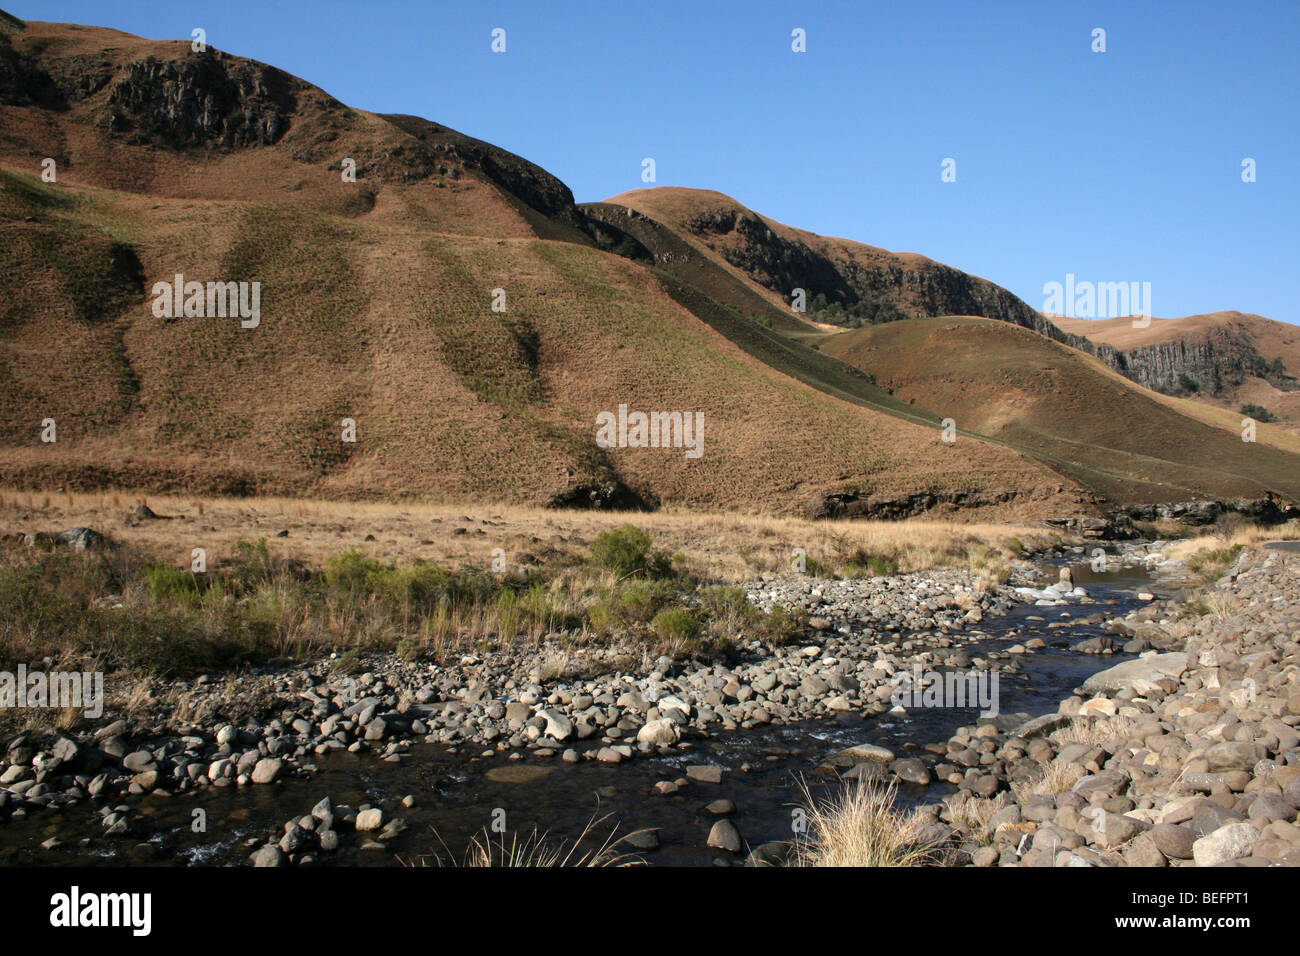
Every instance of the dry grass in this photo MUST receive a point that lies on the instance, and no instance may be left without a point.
(537, 849)
(1221, 606)
(727, 548)
(1049, 780)
(969, 811)
(860, 826)
(1093, 732)
(1214, 547)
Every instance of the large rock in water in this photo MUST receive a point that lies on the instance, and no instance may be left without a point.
(558, 727)
(267, 769)
(1121, 677)
(658, 732)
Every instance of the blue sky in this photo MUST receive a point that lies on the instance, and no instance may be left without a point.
(1115, 166)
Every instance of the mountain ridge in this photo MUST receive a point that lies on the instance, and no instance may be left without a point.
(380, 302)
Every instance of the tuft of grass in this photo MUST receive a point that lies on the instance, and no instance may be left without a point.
(1213, 560)
(1051, 779)
(1093, 732)
(537, 848)
(861, 826)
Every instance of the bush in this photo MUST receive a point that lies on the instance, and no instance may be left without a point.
(1259, 413)
(676, 624)
(624, 551)
(419, 585)
(641, 600)
(781, 626)
(351, 572)
(727, 603)
(166, 582)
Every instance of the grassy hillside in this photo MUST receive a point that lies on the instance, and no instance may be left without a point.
(377, 305)
(1015, 386)
(380, 304)
(1258, 358)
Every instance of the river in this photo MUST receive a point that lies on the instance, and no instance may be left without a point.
(457, 794)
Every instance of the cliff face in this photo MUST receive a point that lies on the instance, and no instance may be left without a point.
(209, 99)
(1214, 365)
(438, 146)
(164, 95)
(851, 274)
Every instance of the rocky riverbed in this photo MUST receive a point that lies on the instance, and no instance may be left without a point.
(1188, 755)
(503, 721)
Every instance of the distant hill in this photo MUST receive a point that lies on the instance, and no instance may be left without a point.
(1230, 358)
(1063, 406)
(846, 283)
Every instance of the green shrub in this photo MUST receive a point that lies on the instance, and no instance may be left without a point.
(1214, 558)
(676, 623)
(727, 602)
(351, 571)
(420, 585)
(1259, 413)
(627, 551)
(639, 600)
(781, 626)
(169, 583)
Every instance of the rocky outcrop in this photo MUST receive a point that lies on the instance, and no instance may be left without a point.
(1267, 510)
(614, 496)
(1112, 527)
(1214, 365)
(772, 261)
(902, 288)
(210, 99)
(855, 505)
(23, 82)
(442, 149)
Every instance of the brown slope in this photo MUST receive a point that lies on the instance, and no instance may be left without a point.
(375, 307)
(1013, 385)
(1226, 358)
(121, 112)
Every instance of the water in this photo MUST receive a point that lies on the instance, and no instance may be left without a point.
(458, 794)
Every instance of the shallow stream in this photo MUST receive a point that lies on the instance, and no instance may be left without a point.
(457, 793)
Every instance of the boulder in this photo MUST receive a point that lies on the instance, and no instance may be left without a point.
(1228, 843)
(1120, 678)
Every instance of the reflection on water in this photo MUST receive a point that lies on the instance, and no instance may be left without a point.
(456, 794)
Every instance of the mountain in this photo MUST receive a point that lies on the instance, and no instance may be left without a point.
(1231, 358)
(455, 307)
(846, 283)
(1065, 407)
(376, 305)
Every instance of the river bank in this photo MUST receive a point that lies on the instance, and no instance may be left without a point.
(1186, 756)
(414, 760)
